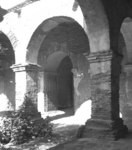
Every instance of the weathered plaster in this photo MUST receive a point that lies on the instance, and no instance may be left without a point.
(97, 27)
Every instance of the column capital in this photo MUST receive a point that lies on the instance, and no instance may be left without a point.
(25, 67)
(99, 56)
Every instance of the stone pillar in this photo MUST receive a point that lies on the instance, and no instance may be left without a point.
(128, 90)
(26, 80)
(105, 121)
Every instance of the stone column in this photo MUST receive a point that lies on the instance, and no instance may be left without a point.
(105, 121)
(26, 80)
(128, 90)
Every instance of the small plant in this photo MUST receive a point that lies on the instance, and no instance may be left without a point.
(5, 130)
(24, 125)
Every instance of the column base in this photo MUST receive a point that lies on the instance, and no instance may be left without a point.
(103, 129)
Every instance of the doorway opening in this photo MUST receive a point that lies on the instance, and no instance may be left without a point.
(65, 84)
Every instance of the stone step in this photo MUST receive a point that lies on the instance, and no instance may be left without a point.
(103, 129)
(98, 123)
(99, 133)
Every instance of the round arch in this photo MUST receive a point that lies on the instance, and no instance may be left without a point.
(50, 24)
(7, 76)
(6, 43)
(10, 34)
(60, 41)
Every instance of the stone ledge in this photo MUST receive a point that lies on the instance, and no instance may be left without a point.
(25, 67)
(100, 56)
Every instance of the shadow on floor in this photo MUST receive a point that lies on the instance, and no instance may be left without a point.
(58, 114)
(97, 144)
(69, 131)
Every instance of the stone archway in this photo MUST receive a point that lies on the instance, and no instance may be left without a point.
(61, 40)
(7, 76)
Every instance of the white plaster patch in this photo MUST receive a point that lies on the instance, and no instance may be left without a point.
(40, 103)
(83, 113)
(77, 79)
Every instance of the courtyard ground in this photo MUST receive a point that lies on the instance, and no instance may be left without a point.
(65, 129)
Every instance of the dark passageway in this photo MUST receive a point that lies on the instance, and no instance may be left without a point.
(65, 84)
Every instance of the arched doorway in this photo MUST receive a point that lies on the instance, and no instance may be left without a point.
(58, 82)
(61, 48)
(7, 76)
